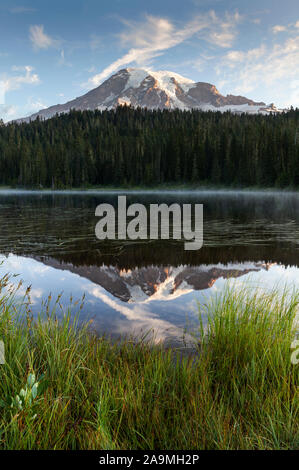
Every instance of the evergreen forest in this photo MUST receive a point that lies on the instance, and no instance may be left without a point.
(140, 147)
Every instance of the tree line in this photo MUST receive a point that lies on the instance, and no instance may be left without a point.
(130, 146)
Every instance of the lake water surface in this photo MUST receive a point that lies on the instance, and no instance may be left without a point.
(48, 239)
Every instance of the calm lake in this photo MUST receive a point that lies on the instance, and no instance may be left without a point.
(131, 287)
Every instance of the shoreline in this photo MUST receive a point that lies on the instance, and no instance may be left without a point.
(151, 190)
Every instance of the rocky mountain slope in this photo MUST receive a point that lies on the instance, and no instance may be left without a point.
(156, 282)
(155, 90)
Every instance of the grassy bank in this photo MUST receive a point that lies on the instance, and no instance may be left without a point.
(241, 391)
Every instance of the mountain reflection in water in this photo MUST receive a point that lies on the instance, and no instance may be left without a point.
(156, 282)
(48, 239)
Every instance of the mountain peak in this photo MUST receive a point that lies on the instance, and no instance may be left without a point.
(152, 89)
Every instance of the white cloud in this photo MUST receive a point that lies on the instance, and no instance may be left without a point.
(278, 29)
(8, 112)
(13, 82)
(34, 105)
(11, 112)
(8, 83)
(40, 39)
(297, 24)
(139, 318)
(221, 31)
(272, 67)
(234, 58)
(152, 37)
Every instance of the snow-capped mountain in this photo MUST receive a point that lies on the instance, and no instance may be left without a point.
(156, 282)
(155, 90)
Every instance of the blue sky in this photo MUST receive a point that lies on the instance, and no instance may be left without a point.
(51, 52)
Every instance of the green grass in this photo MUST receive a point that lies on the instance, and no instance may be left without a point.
(239, 392)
